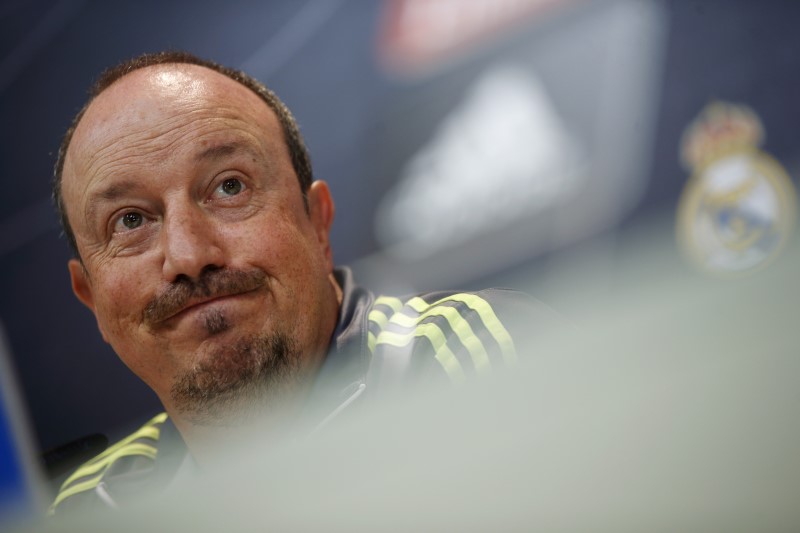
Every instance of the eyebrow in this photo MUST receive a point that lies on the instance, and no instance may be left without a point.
(116, 190)
(223, 150)
(109, 194)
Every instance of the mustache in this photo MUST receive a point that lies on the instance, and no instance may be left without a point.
(212, 283)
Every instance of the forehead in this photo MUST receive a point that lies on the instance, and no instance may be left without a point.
(161, 97)
(152, 110)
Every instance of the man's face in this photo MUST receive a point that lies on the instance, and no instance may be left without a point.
(192, 228)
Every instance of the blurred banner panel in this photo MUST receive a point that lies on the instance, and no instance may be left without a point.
(518, 145)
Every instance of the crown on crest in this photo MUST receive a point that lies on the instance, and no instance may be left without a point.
(720, 129)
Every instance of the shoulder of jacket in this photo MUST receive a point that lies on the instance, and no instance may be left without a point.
(462, 332)
(138, 450)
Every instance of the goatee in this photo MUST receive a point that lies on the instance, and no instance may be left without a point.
(239, 383)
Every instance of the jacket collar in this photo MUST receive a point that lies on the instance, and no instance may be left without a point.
(341, 378)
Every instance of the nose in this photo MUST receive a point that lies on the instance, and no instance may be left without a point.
(190, 243)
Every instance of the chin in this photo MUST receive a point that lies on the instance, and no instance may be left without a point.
(244, 376)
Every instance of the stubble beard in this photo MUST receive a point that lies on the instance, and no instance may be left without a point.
(241, 382)
(215, 322)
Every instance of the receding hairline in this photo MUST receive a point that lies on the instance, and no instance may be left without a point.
(148, 70)
(80, 126)
(172, 65)
(217, 84)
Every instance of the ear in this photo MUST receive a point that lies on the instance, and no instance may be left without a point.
(82, 287)
(321, 210)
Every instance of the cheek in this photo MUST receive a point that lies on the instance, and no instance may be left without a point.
(121, 296)
(277, 242)
(119, 314)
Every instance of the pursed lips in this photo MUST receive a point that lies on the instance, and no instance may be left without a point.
(197, 303)
(181, 297)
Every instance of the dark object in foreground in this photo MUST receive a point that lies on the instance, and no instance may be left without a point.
(62, 459)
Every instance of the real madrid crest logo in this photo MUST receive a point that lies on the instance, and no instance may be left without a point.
(738, 208)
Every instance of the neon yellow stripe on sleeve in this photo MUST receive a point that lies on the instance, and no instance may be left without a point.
(149, 430)
(431, 331)
(490, 320)
(459, 325)
(132, 449)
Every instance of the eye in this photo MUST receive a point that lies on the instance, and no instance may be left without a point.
(129, 221)
(229, 187)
